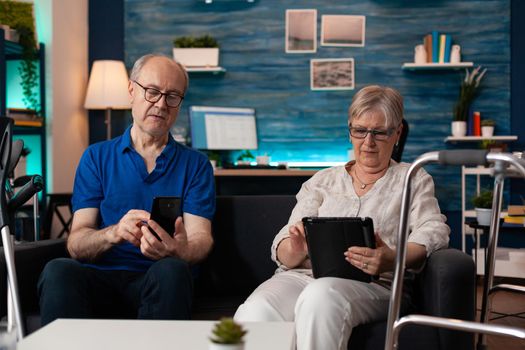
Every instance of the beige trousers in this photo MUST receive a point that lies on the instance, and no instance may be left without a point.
(324, 310)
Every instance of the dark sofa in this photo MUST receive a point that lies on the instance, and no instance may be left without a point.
(244, 227)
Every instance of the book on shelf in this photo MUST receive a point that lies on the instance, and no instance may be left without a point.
(516, 210)
(435, 46)
(514, 219)
(427, 41)
(442, 39)
(21, 114)
(448, 47)
(36, 122)
(24, 117)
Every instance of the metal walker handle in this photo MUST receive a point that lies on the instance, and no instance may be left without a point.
(450, 157)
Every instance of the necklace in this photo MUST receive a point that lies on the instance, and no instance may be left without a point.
(363, 185)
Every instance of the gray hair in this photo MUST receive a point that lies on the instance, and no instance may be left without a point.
(377, 98)
(139, 64)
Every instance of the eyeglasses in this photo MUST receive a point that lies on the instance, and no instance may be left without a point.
(153, 95)
(380, 135)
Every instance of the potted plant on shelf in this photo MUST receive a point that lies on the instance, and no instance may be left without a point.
(245, 158)
(483, 206)
(227, 335)
(215, 158)
(467, 93)
(487, 127)
(200, 51)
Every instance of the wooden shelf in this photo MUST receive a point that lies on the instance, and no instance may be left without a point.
(214, 70)
(480, 138)
(436, 66)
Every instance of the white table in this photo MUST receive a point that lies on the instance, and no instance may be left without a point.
(144, 334)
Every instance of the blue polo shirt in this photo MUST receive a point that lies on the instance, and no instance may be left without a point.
(113, 178)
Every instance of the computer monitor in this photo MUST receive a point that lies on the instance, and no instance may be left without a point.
(223, 128)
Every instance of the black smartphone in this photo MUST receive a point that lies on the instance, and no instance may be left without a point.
(164, 211)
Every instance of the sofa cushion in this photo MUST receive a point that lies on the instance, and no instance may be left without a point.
(243, 230)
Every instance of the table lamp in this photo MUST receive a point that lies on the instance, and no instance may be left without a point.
(108, 88)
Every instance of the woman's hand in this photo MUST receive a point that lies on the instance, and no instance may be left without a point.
(293, 251)
(298, 239)
(372, 261)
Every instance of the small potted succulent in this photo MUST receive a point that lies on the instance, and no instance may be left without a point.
(227, 335)
(194, 52)
(487, 127)
(245, 158)
(483, 205)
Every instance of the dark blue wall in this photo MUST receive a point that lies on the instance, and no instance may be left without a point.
(106, 42)
(296, 123)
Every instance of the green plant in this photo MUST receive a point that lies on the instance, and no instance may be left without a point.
(19, 16)
(200, 41)
(227, 331)
(483, 200)
(468, 92)
(488, 122)
(246, 155)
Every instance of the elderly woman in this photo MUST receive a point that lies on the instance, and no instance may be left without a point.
(325, 310)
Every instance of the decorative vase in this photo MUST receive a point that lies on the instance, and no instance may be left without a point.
(455, 54)
(483, 216)
(487, 131)
(262, 160)
(459, 128)
(420, 54)
(216, 346)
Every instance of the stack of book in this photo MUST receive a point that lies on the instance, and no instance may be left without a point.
(25, 117)
(438, 47)
(516, 215)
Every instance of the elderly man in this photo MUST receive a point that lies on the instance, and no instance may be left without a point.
(118, 264)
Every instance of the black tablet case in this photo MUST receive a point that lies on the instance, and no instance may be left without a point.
(329, 237)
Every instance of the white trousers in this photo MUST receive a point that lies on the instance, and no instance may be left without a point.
(324, 310)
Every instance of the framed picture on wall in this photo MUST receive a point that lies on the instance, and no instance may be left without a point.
(343, 30)
(301, 31)
(332, 74)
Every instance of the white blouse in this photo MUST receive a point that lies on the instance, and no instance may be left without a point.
(330, 192)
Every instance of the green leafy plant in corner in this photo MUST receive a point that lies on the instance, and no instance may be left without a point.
(227, 331)
(483, 200)
(19, 16)
(487, 122)
(468, 92)
(195, 42)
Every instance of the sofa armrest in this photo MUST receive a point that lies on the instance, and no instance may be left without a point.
(446, 288)
(30, 259)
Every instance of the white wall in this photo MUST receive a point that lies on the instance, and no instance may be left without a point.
(63, 26)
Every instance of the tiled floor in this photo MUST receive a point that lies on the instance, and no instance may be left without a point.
(506, 303)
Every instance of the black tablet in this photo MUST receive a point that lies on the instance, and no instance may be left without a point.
(329, 237)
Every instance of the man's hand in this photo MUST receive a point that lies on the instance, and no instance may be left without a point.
(372, 261)
(128, 228)
(176, 246)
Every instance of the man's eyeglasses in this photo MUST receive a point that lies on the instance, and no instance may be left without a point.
(153, 95)
(361, 133)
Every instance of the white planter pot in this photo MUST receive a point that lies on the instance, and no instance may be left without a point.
(197, 57)
(483, 216)
(215, 346)
(487, 131)
(459, 128)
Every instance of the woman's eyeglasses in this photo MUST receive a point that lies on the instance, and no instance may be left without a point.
(153, 96)
(377, 134)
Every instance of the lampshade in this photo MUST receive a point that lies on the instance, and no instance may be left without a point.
(108, 86)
